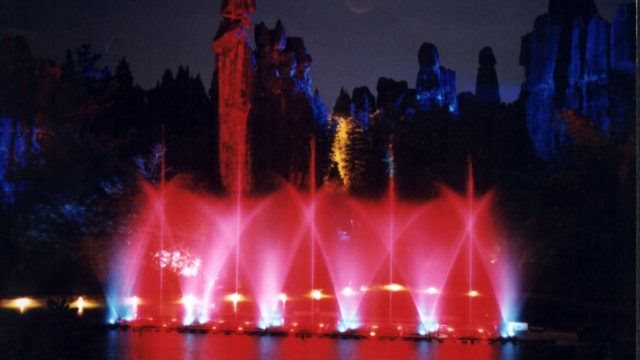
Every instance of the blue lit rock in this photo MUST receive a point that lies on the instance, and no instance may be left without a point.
(436, 85)
(596, 92)
(575, 60)
(363, 105)
(573, 94)
(538, 56)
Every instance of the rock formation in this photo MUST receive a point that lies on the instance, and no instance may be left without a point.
(436, 85)
(285, 112)
(575, 60)
(233, 69)
(364, 104)
(487, 88)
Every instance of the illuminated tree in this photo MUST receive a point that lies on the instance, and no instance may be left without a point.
(349, 152)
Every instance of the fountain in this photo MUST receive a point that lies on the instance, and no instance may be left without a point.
(316, 257)
(319, 260)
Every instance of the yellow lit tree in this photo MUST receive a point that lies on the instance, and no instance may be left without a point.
(349, 151)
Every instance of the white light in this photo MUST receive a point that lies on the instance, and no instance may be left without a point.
(364, 288)
(422, 331)
(189, 300)
(80, 305)
(432, 291)
(23, 303)
(513, 327)
(283, 298)
(235, 298)
(134, 301)
(473, 293)
(348, 291)
(316, 294)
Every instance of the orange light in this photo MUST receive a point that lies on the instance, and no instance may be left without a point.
(394, 287)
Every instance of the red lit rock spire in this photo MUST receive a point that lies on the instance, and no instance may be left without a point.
(234, 73)
(238, 9)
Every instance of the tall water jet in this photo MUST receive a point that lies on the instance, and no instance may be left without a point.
(163, 167)
(392, 211)
(312, 221)
(470, 301)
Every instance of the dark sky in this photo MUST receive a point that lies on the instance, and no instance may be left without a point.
(352, 42)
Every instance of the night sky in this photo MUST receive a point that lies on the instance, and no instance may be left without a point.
(353, 42)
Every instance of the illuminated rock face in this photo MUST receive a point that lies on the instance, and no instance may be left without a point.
(436, 85)
(234, 73)
(575, 60)
(238, 9)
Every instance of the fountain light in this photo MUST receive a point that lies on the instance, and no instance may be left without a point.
(348, 292)
(428, 324)
(432, 291)
(394, 287)
(317, 294)
(133, 301)
(473, 293)
(189, 301)
(23, 303)
(235, 298)
(422, 331)
(80, 305)
(513, 327)
(348, 324)
(283, 298)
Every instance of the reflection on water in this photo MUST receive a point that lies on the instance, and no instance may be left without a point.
(164, 345)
